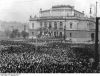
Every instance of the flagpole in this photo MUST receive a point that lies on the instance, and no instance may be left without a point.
(90, 12)
(96, 8)
(95, 66)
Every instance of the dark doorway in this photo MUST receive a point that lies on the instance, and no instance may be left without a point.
(54, 34)
(60, 34)
(92, 36)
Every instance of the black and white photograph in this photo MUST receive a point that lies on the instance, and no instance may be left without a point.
(49, 36)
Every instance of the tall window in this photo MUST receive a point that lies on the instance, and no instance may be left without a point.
(61, 25)
(60, 34)
(32, 25)
(77, 25)
(70, 34)
(55, 25)
(71, 25)
(40, 24)
(50, 26)
(32, 33)
(40, 33)
(45, 24)
(55, 34)
(92, 36)
(49, 33)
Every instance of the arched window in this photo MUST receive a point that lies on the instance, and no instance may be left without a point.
(55, 25)
(71, 25)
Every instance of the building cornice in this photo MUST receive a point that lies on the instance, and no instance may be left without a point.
(62, 6)
(82, 30)
(62, 18)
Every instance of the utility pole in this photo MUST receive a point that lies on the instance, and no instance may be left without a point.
(96, 8)
(96, 44)
(96, 63)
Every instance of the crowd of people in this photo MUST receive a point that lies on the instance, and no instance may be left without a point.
(53, 58)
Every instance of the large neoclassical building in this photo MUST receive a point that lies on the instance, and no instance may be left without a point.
(63, 21)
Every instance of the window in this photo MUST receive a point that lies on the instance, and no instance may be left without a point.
(45, 24)
(49, 33)
(32, 33)
(32, 25)
(41, 24)
(70, 34)
(77, 26)
(55, 34)
(55, 25)
(71, 25)
(50, 25)
(92, 36)
(60, 34)
(61, 25)
(40, 32)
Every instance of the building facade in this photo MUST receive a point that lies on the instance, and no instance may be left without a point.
(63, 21)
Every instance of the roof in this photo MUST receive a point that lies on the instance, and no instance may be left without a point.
(62, 6)
(79, 12)
(45, 11)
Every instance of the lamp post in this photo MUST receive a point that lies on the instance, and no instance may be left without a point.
(96, 63)
(36, 43)
(65, 30)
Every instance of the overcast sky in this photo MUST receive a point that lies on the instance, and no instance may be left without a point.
(20, 10)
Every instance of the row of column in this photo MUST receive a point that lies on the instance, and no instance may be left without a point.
(52, 34)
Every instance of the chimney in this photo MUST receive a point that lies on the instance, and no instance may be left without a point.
(40, 9)
(83, 12)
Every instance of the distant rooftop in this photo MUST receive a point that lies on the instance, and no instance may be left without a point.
(62, 6)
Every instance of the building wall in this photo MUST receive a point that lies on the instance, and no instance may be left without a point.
(71, 25)
(52, 23)
(76, 24)
(79, 35)
(78, 29)
(78, 14)
(83, 25)
(34, 24)
(66, 11)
